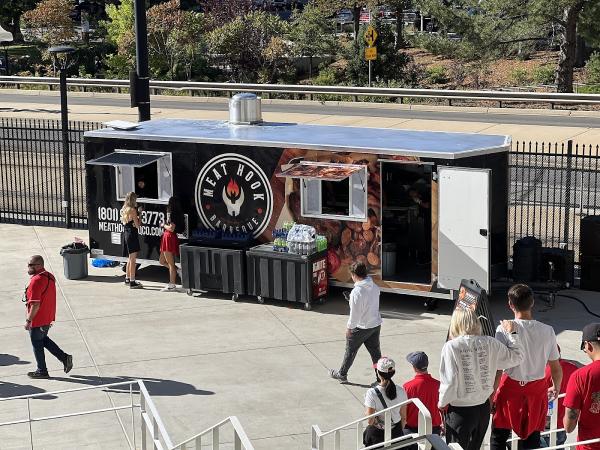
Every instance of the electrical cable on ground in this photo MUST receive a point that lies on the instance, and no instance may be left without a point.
(582, 304)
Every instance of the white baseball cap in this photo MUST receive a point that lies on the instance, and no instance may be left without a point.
(386, 365)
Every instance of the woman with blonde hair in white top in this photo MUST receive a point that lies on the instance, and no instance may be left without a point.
(467, 373)
(131, 241)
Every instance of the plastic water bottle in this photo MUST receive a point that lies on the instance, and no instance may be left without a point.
(550, 408)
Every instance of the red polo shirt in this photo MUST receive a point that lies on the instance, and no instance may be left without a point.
(568, 369)
(42, 290)
(426, 388)
(583, 393)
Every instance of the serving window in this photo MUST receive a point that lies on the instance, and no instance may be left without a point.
(148, 174)
(331, 191)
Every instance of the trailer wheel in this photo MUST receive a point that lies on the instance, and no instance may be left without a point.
(307, 306)
(235, 297)
(260, 299)
(431, 304)
(189, 292)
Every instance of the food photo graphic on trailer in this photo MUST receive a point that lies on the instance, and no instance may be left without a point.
(423, 210)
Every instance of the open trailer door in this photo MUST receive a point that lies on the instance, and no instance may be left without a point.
(463, 228)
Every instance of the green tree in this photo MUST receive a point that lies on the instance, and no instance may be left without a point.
(313, 33)
(11, 12)
(356, 6)
(252, 47)
(490, 29)
(120, 32)
(219, 12)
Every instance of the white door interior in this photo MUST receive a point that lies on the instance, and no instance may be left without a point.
(463, 227)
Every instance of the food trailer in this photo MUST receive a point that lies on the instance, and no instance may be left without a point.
(422, 209)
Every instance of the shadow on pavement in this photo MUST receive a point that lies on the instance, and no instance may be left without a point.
(8, 389)
(11, 360)
(155, 386)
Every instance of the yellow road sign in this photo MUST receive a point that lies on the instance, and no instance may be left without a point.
(370, 36)
(370, 53)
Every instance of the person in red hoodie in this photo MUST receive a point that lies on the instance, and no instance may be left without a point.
(424, 387)
(568, 368)
(582, 402)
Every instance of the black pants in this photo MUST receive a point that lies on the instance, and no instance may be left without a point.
(373, 435)
(40, 341)
(500, 436)
(467, 425)
(358, 337)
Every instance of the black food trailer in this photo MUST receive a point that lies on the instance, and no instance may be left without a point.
(424, 210)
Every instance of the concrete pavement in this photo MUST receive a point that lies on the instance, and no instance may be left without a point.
(522, 124)
(204, 357)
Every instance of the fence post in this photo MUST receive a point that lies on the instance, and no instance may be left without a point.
(567, 206)
(64, 113)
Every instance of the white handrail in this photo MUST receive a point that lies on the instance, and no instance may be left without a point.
(424, 427)
(151, 423)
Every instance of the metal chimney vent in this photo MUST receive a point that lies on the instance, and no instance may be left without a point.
(244, 109)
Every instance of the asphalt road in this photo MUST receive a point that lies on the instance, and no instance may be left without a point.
(545, 117)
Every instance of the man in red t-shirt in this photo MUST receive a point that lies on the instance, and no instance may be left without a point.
(568, 368)
(582, 401)
(424, 387)
(41, 312)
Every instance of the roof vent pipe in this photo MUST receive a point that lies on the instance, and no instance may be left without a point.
(244, 109)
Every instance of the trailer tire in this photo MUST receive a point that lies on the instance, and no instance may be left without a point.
(260, 300)
(189, 292)
(307, 306)
(431, 304)
(235, 297)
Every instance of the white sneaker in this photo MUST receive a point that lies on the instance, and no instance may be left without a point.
(169, 288)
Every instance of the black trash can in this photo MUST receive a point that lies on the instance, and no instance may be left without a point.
(75, 262)
(527, 253)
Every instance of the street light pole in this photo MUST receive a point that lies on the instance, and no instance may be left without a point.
(64, 116)
(142, 81)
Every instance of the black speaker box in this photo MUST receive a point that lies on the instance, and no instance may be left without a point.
(562, 261)
(589, 238)
(590, 273)
(526, 259)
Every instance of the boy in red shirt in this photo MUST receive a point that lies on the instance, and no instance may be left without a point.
(41, 312)
(424, 387)
(568, 369)
(582, 401)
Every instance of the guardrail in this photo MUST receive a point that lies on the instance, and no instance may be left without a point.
(151, 424)
(424, 428)
(308, 91)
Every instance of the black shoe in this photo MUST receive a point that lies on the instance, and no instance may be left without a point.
(135, 285)
(38, 375)
(68, 363)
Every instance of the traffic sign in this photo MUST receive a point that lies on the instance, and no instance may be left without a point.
(371, 53)
(370, 36)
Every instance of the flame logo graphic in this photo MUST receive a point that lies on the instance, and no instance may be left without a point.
(233, 190)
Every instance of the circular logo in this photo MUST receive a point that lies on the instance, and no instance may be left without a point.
(234, 195)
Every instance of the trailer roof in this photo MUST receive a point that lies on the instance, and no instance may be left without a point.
(425, 144)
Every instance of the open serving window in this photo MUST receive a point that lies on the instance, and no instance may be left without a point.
(148, 174)
(330, 190)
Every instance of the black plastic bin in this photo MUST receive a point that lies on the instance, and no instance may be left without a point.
(213, 269)
(75, 260)
(286, 276)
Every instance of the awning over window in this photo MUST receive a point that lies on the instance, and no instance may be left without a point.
(134, 159)
(321, 171)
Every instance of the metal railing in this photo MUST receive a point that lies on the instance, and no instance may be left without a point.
(308, 91)
(424, 428)
(153, 434)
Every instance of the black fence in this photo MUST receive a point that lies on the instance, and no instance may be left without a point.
(551, 185)
(32, 175)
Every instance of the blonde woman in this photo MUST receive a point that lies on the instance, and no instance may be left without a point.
(131, 240)
(467, 373)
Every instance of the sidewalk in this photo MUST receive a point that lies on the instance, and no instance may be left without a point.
(204, 358)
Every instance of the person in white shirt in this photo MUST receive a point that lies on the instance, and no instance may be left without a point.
(467, 373)
(364, 323)
(521, 400)
(382, 396)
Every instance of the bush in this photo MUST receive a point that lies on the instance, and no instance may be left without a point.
(437, 75)
(438, 45)
(592, 69)
(544, 74)
(595, 89)
(327, 77)
(519, 76)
